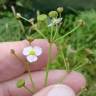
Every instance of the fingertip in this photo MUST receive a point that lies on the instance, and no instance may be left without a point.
(76, 81)
(56, 90)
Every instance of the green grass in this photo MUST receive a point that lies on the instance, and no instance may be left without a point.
(79, 47)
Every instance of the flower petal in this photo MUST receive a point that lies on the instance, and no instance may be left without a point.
(38, 50)
(32, 58)
(26, 50)
(57, 21)
(51, 24)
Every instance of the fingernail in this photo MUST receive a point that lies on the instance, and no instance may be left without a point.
(61, 90)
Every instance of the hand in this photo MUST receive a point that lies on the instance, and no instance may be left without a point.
(11, 69)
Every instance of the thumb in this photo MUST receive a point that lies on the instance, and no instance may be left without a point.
(56, 90)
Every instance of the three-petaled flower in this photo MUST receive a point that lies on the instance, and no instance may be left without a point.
(32, 53)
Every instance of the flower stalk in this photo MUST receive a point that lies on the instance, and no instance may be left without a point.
(30, 91)
(30, 77)
(73, 30)
(37, 30)
(27, 68)
(49, 62)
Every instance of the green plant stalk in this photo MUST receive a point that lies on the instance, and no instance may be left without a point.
(55, 32)
(7, 28)
(64, 77)
(60, 15)
(40, 33)
(68, 33)
(47, 68)
(14, 13)
(30, 91)
(20, 60)
(24, 19)
(27, 68)
(30, 77)
(78, 67)
(21, 26)
(52, 30)
(29, 31)
(49, 56)
(13, 10)
(66, 66)
(29, 73)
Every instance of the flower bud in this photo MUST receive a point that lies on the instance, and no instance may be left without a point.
(42, 17)
(20, 83)
(53, 14)
(29, 39)
(34, 26)
(31, 20)
(60, 9)
(12, 51)
(18, 15)
(81, 22)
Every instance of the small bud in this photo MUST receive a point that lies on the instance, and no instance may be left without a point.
(29, 39)
(20, 83)
(53, 14)
(81, 22)
(18, 16)
(60, 9)
(38, 12)
(31, 20)
(34, 26)
(42, 17)
(12, 51)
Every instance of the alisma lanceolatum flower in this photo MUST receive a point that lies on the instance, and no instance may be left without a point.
(32, 53)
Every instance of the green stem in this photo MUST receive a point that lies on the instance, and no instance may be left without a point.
(68, 65)
(30, 91)
(13, 10)
(77, 67)
(24, 19)
(64, 59)
(47, 68)
(64, 77)
(60, 15)
(68, 33)
(27, 68)
(22, 27)
(40, 33)
(7, 28)
(55, 32)
(51, 37)
(30, 77)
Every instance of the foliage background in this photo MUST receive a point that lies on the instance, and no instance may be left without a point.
(79, 47)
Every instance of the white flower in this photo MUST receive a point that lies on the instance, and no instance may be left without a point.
(32, 53)
(55, 21)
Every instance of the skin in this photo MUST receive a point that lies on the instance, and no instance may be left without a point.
(11, 69)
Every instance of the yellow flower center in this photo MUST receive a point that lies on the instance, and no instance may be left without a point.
(32, 52)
